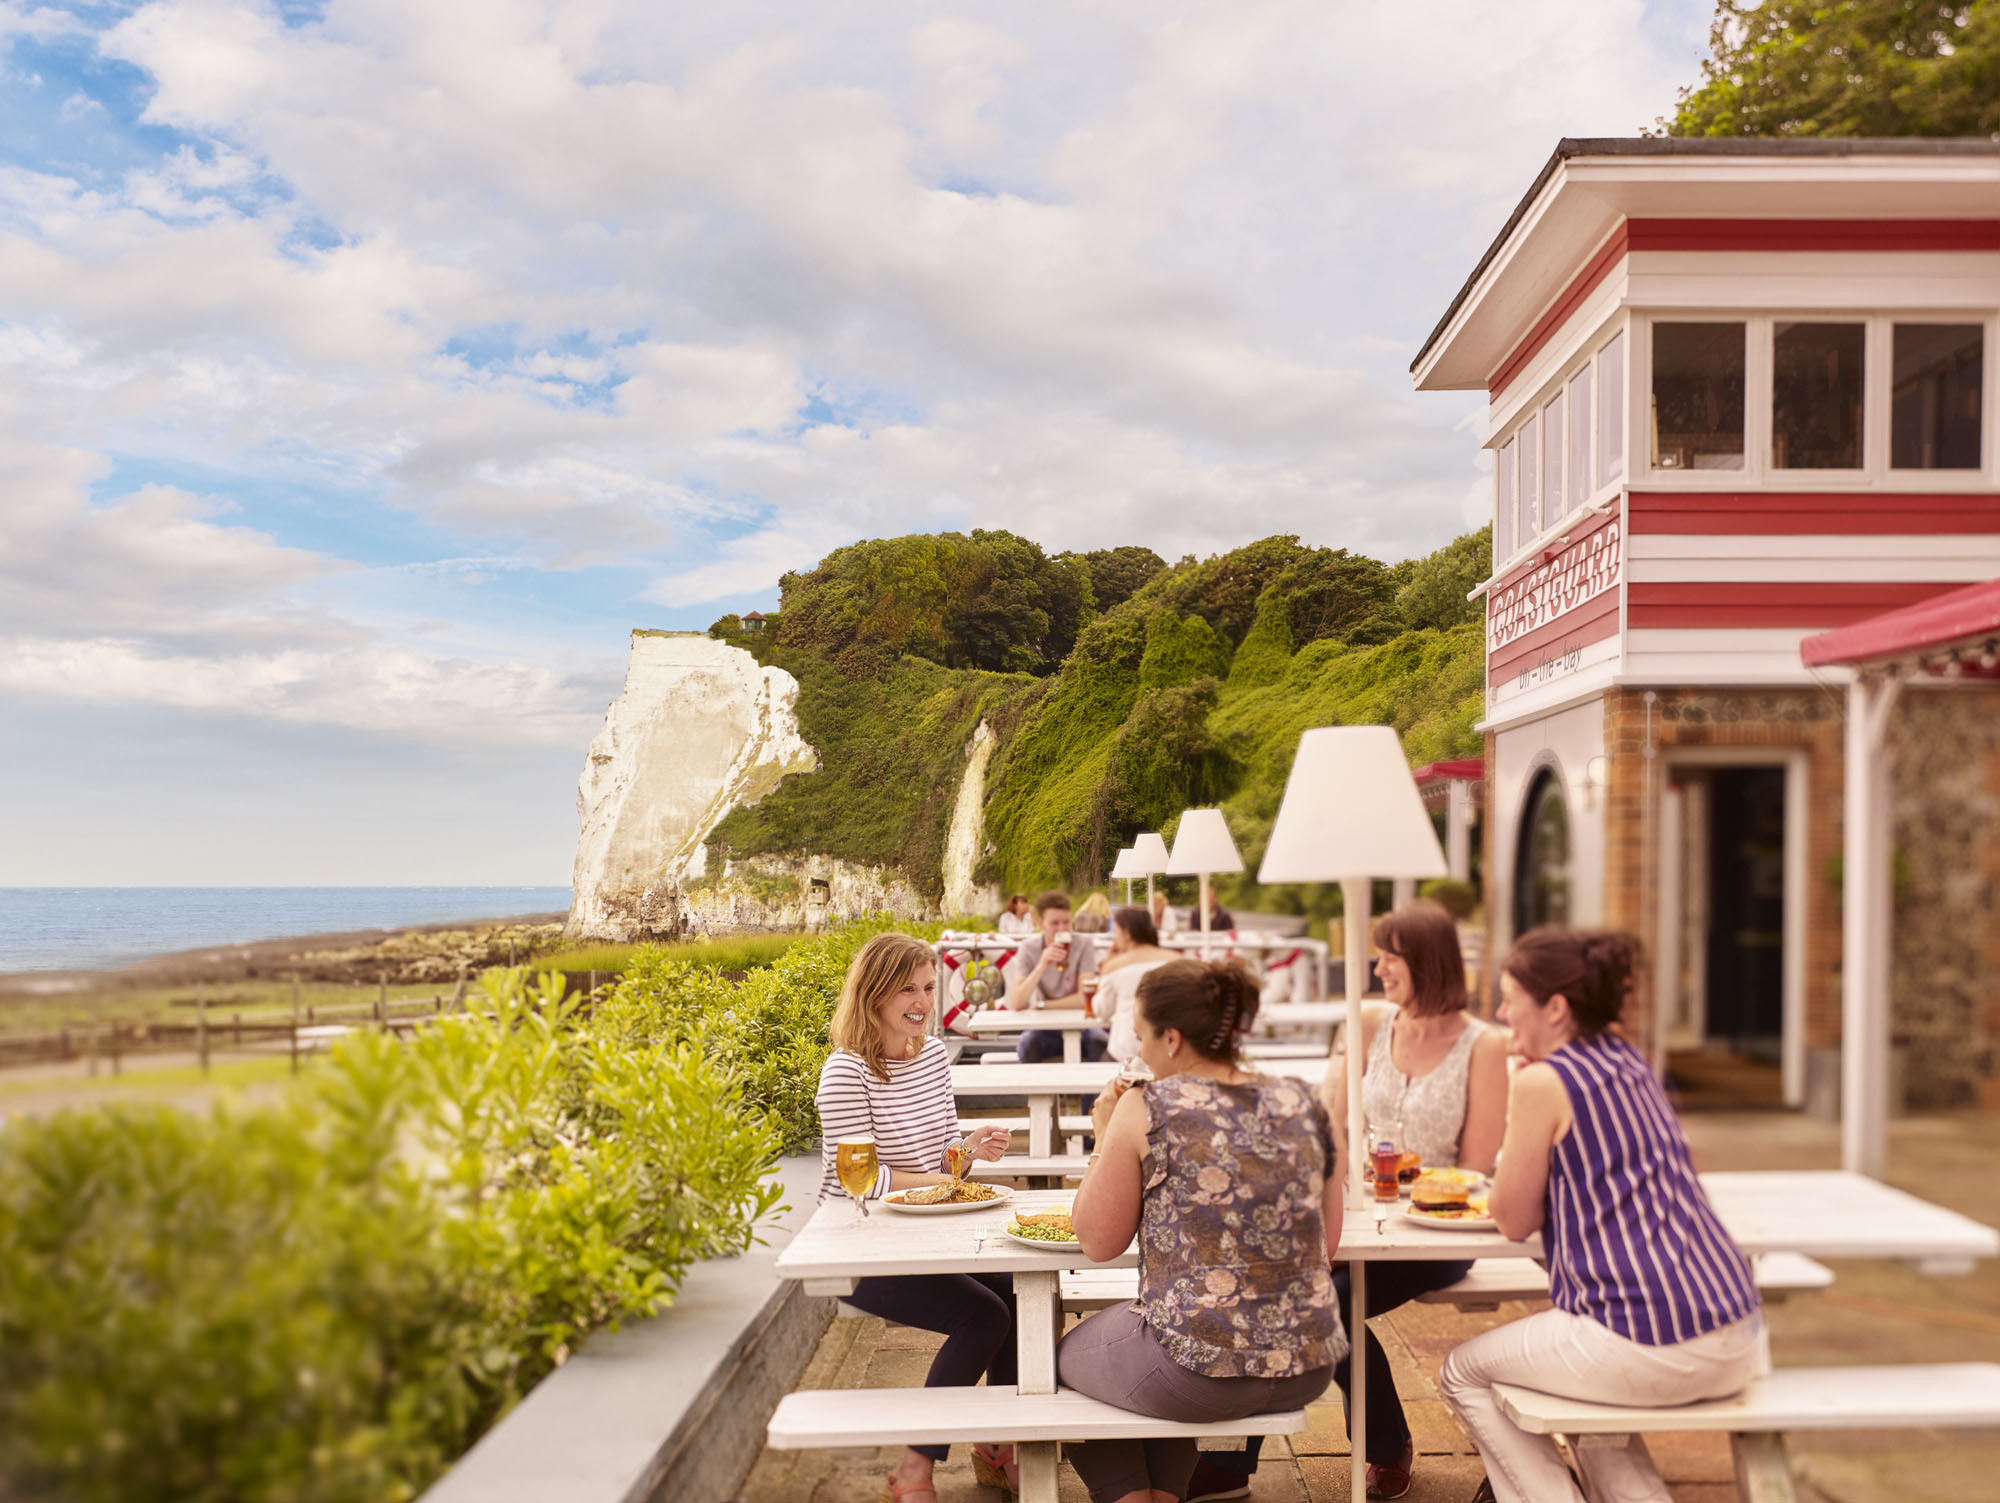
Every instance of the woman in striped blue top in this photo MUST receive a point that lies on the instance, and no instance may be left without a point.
(1654, 1305)
(889, 1080)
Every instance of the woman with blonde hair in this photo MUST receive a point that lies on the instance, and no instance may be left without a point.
(889, 1080)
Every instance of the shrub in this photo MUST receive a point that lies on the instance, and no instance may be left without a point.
(331, 1297)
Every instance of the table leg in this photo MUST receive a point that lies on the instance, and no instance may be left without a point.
(1038, 1310)
(1357, 1367)
(1072, 1046)
(1041, 1125)
(1763, 1472)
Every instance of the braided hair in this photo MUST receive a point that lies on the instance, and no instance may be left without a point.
(1212, 1004)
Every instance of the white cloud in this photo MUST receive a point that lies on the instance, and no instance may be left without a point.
(587, 284)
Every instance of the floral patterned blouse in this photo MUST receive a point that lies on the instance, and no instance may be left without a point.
(1233, 1274)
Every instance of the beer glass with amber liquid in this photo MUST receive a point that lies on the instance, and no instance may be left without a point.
(855, 1165)
(1385, 1156)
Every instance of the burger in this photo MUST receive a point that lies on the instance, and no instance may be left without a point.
(1444, 1192)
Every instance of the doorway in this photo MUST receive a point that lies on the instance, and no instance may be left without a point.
(1732, 919)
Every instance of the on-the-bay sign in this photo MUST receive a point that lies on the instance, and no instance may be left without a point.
(1586, 567)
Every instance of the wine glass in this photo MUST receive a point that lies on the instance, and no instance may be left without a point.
(856, 1166)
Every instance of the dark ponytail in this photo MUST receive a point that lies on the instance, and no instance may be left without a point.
(1594, 970)
(1211, 1003)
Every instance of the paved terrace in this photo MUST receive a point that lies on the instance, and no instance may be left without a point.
(1875, 1312)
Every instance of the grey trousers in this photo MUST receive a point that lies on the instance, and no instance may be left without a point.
(1115, 1357)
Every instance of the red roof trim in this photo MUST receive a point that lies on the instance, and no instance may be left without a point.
(1970, 612)
(1463, 770)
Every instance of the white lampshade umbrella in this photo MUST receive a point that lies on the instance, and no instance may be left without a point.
(1202, 848)
(1351, 814)
(1149, 859)
(1123, 867)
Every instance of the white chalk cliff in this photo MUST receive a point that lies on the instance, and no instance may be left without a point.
(965, 840)
(700, 729)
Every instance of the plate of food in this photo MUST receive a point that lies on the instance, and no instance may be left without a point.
(943, 1200)
(1451, 1199)
(1049, 1228)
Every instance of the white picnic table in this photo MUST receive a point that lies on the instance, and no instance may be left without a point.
(1817, 1212)
(1303, 1014)
(1068, 1021)
(1044, 1086)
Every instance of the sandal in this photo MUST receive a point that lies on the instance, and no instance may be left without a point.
(995, 1466)
(895, 1492)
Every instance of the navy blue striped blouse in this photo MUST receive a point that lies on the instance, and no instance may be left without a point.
(1632, 1241)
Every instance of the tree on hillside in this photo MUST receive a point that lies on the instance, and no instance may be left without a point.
(1116, 573)
(1847, 68)
(989, 600)
(1434, 593)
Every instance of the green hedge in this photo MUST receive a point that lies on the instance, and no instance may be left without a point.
(330, 1297)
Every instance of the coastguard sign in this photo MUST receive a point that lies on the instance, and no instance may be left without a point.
(1585, 569)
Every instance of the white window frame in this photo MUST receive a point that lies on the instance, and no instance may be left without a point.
(1878, 377)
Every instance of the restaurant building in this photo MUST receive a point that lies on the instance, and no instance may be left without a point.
(1737, 399)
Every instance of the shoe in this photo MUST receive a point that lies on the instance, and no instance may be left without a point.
(995, 1466)
(1211, 1483)
(1485, 1493)
(895, 1492)
(1393, 1480)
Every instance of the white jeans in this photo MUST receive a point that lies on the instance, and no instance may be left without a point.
(1556, 1352)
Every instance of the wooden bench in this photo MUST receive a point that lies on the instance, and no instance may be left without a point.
(842, 1418)
(1946, 1395)
(1491, 1282)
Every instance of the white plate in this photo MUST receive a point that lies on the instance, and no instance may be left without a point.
(1044, 1245)
(1450, 1223)
(1005, 1194)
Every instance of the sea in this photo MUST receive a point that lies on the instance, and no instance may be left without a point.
(100, 928)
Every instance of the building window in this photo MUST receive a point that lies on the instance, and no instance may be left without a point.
(1816, 375)
(1541, 860)
(1524, 496)
(1503, 512)
(1552, 462)
(1611, 411)
(1698, 396)
(1579, 439)
(1934, 407)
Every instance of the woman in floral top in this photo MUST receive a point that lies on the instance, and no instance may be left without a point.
(1229, 1179)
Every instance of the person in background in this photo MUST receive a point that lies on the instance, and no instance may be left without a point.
(1230, 1181)
(1440, 1073)
(1219, 918)
(1166, 919)
(1135, 952)
(1094, 917)
(1654, 1305)
(1014, 918)
(1047, 972)
(888, 1080)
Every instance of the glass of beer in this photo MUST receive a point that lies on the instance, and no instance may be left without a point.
(1088, 985)
(1385, 1156)
(856, 1166)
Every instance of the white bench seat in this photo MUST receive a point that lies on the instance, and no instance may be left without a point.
(837, 1418)
(1493, 1281)
(1068, 1123)
(1942, 1395)
(1284, 1049)
(1031, 1166)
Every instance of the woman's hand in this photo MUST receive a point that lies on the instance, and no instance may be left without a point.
(1106, 1104)
(989, 1143)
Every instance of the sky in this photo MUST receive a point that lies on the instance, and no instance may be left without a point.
(369, 368)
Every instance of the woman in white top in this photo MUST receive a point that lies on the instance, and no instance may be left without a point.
(1135, 951)
(1015, 918)
(1442, 1074)
(888, 1080)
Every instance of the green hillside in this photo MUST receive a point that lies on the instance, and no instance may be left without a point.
(1122, 690)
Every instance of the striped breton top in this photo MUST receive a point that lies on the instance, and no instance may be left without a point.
(1631, 1239)
(911, 1114)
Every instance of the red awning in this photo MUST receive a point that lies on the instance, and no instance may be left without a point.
(1943, 619)
(1464, 770)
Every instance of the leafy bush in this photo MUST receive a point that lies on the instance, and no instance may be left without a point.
(768, 1031)
(331, 1297)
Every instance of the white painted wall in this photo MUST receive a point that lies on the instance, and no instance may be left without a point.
(1565, 740)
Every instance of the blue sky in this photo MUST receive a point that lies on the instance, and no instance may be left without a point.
(369, 368)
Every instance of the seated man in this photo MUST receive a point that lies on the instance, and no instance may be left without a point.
(1046, 972)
